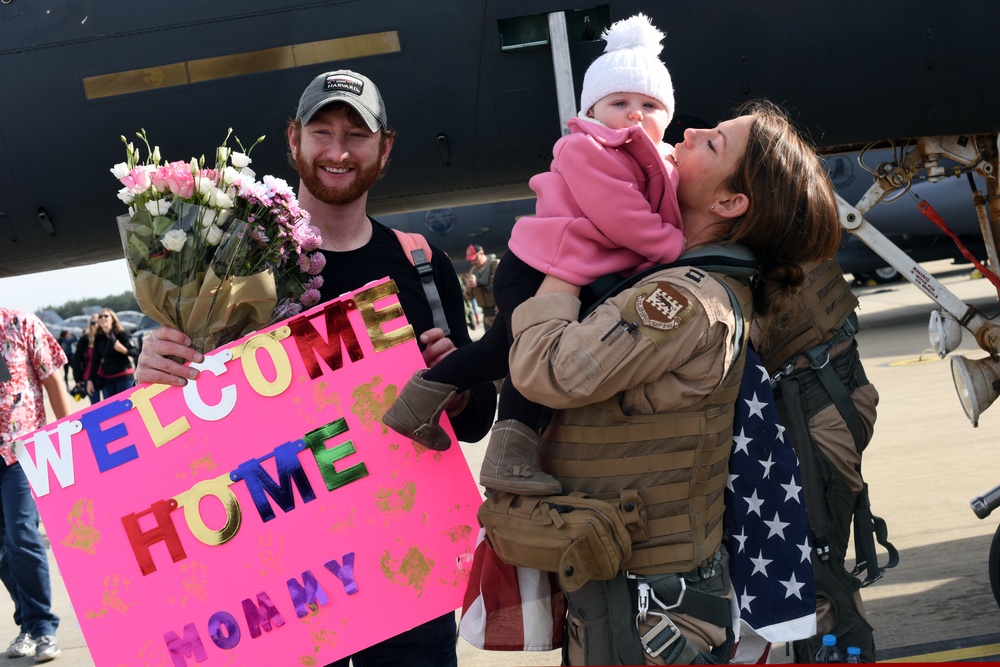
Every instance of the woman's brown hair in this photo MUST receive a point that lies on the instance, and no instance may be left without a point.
(792, 214)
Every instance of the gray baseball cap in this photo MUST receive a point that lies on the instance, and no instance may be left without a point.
(343, 85)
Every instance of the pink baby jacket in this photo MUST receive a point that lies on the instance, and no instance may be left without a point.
(607, 205)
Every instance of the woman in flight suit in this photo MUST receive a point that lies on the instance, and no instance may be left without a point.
(644, 386)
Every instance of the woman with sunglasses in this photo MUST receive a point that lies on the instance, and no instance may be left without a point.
(110, 360)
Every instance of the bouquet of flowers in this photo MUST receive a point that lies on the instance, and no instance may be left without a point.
(211, 250)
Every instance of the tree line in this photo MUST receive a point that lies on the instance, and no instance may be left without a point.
(117, 303)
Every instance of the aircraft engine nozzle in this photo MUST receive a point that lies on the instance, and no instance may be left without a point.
(977, 382)
(986, 503)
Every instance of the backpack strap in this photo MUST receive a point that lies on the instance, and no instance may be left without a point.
(733, 260)
(418, 251)
(868, 528)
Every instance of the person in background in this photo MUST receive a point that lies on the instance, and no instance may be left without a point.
(471, 309)
(67, 341)
(340, 142)
(479, 282)
(110, 358)
(30, 358)
(81, 361)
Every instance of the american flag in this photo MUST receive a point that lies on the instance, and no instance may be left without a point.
(767, 532)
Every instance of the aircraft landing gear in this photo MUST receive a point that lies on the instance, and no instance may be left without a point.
(881, 276)
(994, 565)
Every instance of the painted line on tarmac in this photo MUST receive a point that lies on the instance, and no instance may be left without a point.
(933, 357)
(954, 655)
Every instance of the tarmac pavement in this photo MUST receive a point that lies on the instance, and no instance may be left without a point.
(924, 465)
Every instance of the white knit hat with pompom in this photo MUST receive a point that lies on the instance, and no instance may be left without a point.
(630, 64)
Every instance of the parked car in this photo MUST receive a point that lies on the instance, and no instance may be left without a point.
(146, 324)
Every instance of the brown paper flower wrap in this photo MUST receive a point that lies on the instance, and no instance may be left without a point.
(209, 309)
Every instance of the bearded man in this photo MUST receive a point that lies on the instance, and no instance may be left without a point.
(339, 143)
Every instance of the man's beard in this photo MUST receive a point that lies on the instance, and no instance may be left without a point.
(364, 178)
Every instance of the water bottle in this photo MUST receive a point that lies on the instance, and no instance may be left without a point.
(829, 652)
(853, 654)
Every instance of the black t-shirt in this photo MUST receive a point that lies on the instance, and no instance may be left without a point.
(383, 256)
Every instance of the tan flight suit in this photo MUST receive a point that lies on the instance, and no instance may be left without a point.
(483, 291)
(647, 355)
(825, 302)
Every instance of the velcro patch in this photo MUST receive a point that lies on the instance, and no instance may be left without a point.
(660, 310)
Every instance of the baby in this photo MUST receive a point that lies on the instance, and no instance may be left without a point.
(608, 205)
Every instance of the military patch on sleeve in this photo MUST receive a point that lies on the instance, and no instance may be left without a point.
(660, 310)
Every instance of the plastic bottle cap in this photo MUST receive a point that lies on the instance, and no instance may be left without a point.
(853, 650)
(829, 640)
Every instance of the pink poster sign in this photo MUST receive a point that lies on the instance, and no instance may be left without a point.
(261, 515)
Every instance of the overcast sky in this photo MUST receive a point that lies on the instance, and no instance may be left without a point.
(54, 288)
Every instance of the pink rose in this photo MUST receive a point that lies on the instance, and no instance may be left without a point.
(178, 179)
(138, 180)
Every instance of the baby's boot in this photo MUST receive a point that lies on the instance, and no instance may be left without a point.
(511, 462)
(417, 411)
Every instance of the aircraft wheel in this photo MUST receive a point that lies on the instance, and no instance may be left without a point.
(881, 276)
(994, 564)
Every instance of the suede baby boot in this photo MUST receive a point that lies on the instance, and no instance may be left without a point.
(417, 411)
(511, 462)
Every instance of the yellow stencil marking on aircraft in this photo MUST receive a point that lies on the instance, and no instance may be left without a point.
(240, 64)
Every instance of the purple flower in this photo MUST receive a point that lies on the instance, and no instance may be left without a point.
(259, 234)
(310, 297)
(314, 283)
(306, 236)
(317, 261)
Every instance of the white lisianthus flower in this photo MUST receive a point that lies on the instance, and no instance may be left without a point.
(155, 157)
(158, 206)
(218, 199)
(174, 240)
(126, 195)
(229, 176)
(240, 160)
(213, 235)
(120, 171)
(205, 186)
(248, 173)
(193, 166)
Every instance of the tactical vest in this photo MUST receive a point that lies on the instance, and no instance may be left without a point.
(824, 303)
(666, 471)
